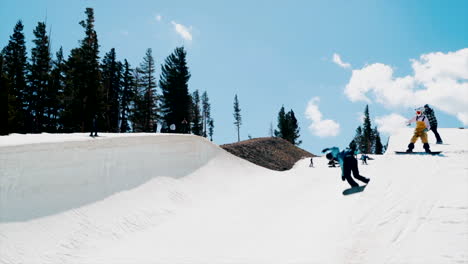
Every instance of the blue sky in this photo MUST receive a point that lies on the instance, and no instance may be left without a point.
(325, 60)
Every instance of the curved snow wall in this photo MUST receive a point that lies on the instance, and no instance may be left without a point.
(37, 180)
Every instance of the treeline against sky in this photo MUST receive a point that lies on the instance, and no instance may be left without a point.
(46, 93)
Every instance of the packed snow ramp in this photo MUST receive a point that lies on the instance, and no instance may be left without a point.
(47, 178)
(169, 199)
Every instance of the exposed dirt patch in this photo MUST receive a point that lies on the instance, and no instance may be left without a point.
(270, 152)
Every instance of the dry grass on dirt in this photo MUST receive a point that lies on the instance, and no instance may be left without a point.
(269, 152)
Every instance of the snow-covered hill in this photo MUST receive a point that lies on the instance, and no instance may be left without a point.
(181, 199)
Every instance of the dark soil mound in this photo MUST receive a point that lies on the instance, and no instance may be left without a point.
(271, 152)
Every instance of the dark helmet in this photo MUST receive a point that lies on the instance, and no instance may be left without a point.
(329, 156)
(426, 106)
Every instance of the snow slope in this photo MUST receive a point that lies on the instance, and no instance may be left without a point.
(181, 199)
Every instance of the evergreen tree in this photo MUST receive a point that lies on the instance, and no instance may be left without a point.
(4, 102)
(206, 113)
(174, 85)
(367, 135)
(137, 116)
(197, 128)
(147, 86)
(358, 139)
(111, 77)
(211, 128)
(293, 129)
(128, 93)
(282, 131)
(378, 147)
(54, 94)
(84, 93)
(237, 117)
(39, 76)
(366, 139)
(288, 128)
(15, 67)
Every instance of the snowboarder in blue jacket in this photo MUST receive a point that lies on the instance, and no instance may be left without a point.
(348, 164)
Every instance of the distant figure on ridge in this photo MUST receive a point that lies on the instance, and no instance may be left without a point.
(311, 162)
(348, 164)
(94, 127)
(184, 126)
(422, 126)
(429, 113)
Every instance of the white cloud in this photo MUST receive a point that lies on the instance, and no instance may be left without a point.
(337, 60)
(182, 30)
(439, 79)
(391, 123)
(319, 127)
(158, 18)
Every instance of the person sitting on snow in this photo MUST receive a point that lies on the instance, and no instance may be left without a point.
(422, 126)
(348, 164)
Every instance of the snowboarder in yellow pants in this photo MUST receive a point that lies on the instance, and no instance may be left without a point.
(422, 126)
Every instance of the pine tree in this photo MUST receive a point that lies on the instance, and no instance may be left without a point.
(378, 147)
(196, 118)
(237, 117)
(15, 67)
(39, 76)
(358, 139)
(282, 124)
(147, 86)
(137, 116)
(4, 102)
(84, 93)
(54, 94)
(176, 99)
(112, 79)
(206, 112)
(211, 128)
(366, 139)
(293, 129)
(288, 128)
(367, 135)
(128, 93)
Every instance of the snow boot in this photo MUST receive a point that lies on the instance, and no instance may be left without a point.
(426, 148)
(410, 147)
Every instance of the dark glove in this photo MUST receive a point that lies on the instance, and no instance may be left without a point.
(325, 150)
(342, 178)
(425, 130)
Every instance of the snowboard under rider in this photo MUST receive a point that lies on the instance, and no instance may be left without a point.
(420, 131)
(348, 164)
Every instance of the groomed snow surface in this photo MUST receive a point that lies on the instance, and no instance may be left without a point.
(157, 198)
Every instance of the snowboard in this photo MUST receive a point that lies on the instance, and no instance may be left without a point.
(354, 190)
(419, 153)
